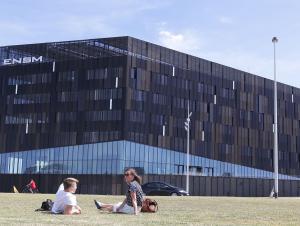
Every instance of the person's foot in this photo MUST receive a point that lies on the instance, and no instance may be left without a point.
(98, 204)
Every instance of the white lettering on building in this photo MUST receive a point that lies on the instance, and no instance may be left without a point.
(7, 61)
(24, 60)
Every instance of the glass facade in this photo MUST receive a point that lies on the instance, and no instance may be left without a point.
(114, 157)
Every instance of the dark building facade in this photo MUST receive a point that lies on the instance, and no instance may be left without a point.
(92, 108)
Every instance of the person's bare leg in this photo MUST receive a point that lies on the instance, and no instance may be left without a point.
(104, 206)
(108, 207)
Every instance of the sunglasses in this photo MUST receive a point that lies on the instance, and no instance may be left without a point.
(127, 174)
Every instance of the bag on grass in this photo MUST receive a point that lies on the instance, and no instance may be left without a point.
(46, 205)
(149, 206)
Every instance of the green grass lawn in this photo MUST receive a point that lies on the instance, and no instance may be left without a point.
(18, 209)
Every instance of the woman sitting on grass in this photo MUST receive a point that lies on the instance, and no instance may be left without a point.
(134, 196)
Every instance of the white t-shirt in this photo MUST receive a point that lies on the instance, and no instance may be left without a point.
(61, 200)
(60, 188)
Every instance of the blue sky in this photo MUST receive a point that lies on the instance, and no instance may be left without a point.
(232, 32)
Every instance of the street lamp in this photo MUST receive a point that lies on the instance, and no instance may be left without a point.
(187, 128)
(275, 40)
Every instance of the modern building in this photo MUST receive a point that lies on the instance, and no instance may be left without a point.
(92, 108)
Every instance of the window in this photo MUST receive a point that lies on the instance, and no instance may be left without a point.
(67, 76)
(38, 98)
(29, 79)
(104, 94)
(159, 99)
(67, 96)
(200, 87)
(138, 95)
(133, 73)
(101, 73)
(27, 118)
(91, 136)
(225, 93)
(66, 116)
(135, 116)
(160, 79)
(152, 185)
(103, 115)
(158, 119)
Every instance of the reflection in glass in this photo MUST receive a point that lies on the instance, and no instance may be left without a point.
(114, 157)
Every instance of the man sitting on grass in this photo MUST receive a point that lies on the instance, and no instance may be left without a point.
(65, 200)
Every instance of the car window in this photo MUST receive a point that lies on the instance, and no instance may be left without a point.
(161, 185)
(152, 185)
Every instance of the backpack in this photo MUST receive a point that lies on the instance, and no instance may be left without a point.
(146, 206)
(46, 205)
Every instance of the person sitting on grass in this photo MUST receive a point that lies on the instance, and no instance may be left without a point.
(65, 200)
(134, 196)
(32, 188)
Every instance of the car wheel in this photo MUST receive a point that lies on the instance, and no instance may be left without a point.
(174, 194)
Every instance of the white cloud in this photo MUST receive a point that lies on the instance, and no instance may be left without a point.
(170, 39)
(186, 41)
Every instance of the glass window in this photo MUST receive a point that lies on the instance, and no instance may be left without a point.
(85, 166)
(103, 166)
(109, 150)
(127, 150)
(1, 164)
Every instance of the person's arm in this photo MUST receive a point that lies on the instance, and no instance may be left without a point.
(71, 206)
(78, 208)
(134, 202)
(68, 210)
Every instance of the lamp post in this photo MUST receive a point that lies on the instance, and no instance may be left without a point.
(275, 40)
(187, 128)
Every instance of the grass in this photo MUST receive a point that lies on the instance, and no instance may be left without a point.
(18, 209)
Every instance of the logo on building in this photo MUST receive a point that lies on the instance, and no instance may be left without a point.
(22, 60)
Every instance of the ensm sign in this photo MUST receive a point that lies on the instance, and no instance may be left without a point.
(22, 60)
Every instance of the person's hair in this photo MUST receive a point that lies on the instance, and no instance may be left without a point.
(132, 171)
(68, 182)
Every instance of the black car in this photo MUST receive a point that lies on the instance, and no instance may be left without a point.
(161, 188)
